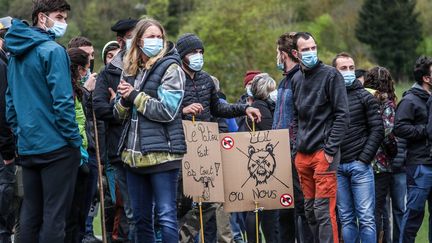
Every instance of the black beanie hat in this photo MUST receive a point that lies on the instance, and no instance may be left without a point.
(188, 43)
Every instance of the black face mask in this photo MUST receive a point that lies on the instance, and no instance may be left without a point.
(91, 65)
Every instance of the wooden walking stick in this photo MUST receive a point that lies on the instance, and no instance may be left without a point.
(101, 191)
(256, 222)
(201, 219)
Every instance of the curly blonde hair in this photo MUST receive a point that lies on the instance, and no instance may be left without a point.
(132, 60)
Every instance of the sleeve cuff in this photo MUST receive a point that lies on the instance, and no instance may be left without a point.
(245, 107)
(132, 96)
(125, 103)
(329, 151)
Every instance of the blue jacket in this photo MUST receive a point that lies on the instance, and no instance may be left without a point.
(283, 114)
(40, 106)
(231, 122)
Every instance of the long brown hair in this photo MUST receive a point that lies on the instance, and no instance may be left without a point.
(132, 58)
(78, 58)
(380, 79)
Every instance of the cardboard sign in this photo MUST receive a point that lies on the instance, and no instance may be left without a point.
(202, 165)
(257, 168)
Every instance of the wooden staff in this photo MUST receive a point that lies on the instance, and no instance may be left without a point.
(101, 191)
(256, 222)
(201, 219)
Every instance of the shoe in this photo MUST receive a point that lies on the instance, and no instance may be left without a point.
(90, 238)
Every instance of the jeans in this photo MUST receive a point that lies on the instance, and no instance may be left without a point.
(419, 181)
(356, 201)
(398, 200)
(49, 184)
(120, 179)
(237, 223)
(150, 194)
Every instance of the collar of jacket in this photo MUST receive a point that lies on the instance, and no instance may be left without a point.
(308, 71)
(355, 85)
(292, 71)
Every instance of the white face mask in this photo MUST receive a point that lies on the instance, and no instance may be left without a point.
(248, 91)
(273, 95)
(128, 43)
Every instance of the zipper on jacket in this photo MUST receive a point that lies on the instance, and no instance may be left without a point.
(167, 138)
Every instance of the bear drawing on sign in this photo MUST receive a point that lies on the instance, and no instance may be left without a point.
(261, 163)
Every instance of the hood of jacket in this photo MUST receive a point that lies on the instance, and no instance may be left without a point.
(21, 38)
(418, 91)
(116, 65)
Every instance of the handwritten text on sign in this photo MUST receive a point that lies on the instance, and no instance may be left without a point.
(202, 167)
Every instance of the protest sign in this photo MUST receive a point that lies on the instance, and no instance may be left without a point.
(201, 166)
(257, 168)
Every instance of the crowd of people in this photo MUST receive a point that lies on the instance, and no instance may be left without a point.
(361, 158)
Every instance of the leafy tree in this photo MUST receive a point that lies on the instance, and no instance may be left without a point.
(392, 30)
(238, 36)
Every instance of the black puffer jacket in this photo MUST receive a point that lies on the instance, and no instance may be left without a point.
(267, 108)
(398, 163)
(109, 78)
(157, 135)
(365, 131)
(410, 123)
(201, 89)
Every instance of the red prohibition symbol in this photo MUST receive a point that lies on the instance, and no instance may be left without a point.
(227, 143)
(286, 200)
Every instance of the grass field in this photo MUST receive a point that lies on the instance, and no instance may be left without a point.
(423, 232)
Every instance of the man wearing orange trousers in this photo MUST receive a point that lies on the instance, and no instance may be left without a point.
(321, 118)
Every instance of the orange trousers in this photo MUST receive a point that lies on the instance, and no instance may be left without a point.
(319, 186)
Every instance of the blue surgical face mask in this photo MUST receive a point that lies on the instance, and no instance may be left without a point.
(58, 29)
(152, 46)
(309, 58)
(349, 77)
(196, 62)
(128, 43)
(280, 65)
